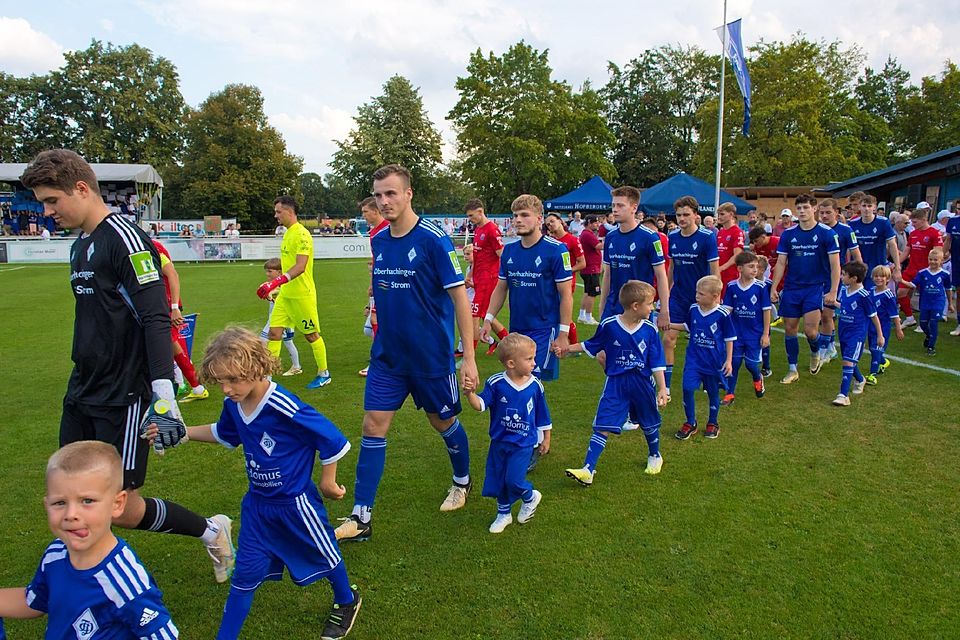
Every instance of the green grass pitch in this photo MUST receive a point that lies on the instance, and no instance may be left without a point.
(803, 520)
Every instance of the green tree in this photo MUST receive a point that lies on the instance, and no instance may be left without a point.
(931, 118)
(340, 199)
(651, 106)
(520, 131)
(314, 194)
(883, 94)
(235, 164)
(392, 128)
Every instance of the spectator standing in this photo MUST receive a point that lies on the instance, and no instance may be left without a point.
(593, 254)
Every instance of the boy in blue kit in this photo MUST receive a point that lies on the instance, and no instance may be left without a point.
(284, 522)
(829, 213)
(709, 356)
(634, 363)
(934, 286)
(762, 265)
(855, 311)
(885, 302)
(89, 583)
(749, 300)
(518, 413)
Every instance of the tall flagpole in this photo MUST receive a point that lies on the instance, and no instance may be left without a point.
(723, 70)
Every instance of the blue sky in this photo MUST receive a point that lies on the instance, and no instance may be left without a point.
(316, 62)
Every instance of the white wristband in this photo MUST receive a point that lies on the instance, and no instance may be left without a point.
(564, 328)
(174, 307)
(489, 317)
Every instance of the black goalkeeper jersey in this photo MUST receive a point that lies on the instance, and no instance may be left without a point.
(121, 335)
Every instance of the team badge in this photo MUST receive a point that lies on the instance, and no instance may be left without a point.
(656, 246)
(454, 261)
(538, 261)
(753, 299)
(713, 328)
(412, 255)
(633, 246)
(86, 625)
(267, 443)
(89, 252)
(530, 406)
(694, 246)
(144, 267)
(566, 261)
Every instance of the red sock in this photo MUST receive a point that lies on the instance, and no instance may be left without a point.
(502, 333)
(573, 333)
(374, 327)
(187, 367)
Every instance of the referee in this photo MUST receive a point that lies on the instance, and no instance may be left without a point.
(122, 353)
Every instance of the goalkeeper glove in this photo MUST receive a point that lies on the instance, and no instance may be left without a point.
(264, 290)
(164, 413)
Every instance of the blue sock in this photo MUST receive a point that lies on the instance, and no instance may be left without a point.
(459, 449)
(856, 373)
(713, 393)
(765, 356)
(731, 383)
(234, 613)
(370, 462)
(503, 508)
(826, 339)
(754, 369)
(792, 344)
(845, 381)
(668, 375)
(876, 357)
(653, 440)
(597, 443)
(342, 593)
(815, 343)
(690, 405)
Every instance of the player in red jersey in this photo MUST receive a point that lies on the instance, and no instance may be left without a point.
(371, 214)
(171, 281)
(578, 260)
(729, 242)
(487, 247)
(921, 240)
(593, 253)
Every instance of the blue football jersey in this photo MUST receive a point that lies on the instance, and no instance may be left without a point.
(853, 314)
(748, 305)
(630, 256)
(411, 276)
(953, 230)
(516, 413)
(932, 287)
(532, 275)
(710, 331)
(115, 600)
(279, 442)
(872, 239)
(691, 256)
(847, 240)
(638, 351)
(885, 302)
(808, 261)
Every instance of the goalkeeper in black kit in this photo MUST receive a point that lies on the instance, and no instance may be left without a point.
(122, 377)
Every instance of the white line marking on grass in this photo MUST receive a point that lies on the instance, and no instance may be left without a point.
(12, 269)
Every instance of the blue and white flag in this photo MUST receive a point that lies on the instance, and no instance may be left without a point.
(739, 63)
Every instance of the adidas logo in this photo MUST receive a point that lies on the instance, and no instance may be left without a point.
(616, 343)
(379, 257)
(502, 399)
(444, 409)
(148, 616)
(510, 261)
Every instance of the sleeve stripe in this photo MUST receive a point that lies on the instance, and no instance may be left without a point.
(338, 455)
(119, 581)
(108, 589)
(136, 566)
(280, 407)
(284, 399)
(129, 236)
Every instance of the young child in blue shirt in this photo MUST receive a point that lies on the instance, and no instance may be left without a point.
(635, 386)
(518, 413)
(89, 583)
(934, 286)
(749, 300)
(854, 313)
(709, 357)
(285, 524)
(763, 265)
(885, 300)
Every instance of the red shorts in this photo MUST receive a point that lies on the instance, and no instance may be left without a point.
(481, 296)
(908, 275)
(177, 338)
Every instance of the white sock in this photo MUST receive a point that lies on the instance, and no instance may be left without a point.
(294, 354)
(363, 513)
(199, 389)
(177, 375)
(210, 535)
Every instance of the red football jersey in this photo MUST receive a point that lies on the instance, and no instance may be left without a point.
(487, 241)
(166, 284)
(921, 242)
(729, 239)
(588, 242)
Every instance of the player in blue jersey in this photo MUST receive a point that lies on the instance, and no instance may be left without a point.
(535, 273)
(876, 239)
(762, 266)
(632, 252)
(89, 583)
(418, 289)
(749, 300)
(934, 286)
(828, 212)
(950, 238)
(635, 385)
(693, 255)
(812, 252)
(855, 312)
(285, 525)
(709, 357)
(519, 422)
(885, 302)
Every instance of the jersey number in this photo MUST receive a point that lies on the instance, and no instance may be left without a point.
(308, 325)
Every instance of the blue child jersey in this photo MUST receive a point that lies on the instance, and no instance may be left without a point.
(748, 304)
(279, 442)
(517, 413)
(411, 275)
(808, 254)
(637, 351)
(710, 331)
(853, 314)
(953, 230)
(932, 287)
(691, 256)
(872, 239)
(532, 275)
(847, 240)
(629, 256)
(115, 600)
(885, 302)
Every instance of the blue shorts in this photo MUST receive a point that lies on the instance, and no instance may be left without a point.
(851, 350)
(796, 302)
(283, 533)
(746, 350)
(679, 308)
(931, 314)
(628, 394)
(506, 474)
(872, 334)
(693, 378)
(548, 365)
(387, 392)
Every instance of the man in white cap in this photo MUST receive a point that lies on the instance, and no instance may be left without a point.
(786, 221)
(941, 223)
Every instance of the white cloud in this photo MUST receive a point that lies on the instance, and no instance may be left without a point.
(25, 51)
(106, 24)
(312, 136)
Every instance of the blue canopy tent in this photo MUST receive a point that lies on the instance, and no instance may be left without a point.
(661, 197)
(592, 195)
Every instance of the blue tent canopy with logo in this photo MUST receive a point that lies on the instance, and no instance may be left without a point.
(592, 195)
(661, 197)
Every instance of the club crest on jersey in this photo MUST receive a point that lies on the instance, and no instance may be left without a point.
(412, 255)
(86, 625)
(454, 261)
(144, 267)
(537, 261)
(753, 299)
(694, 246)
(267, 443)
(633, 246)
(814, 237)
(853, 305)
(713, 328)
(90, 251)
(530, 406)
(642, 346)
